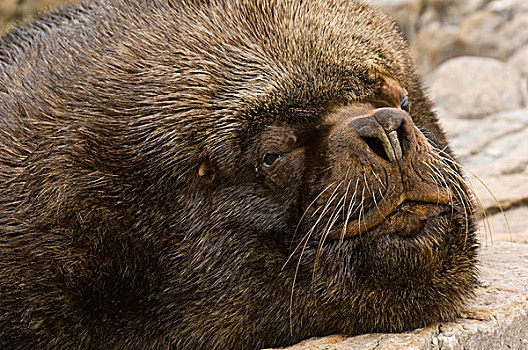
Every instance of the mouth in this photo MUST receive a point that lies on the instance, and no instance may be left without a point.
(410, 217)
(405, 215)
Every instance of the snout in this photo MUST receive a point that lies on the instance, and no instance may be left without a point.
(386, 162)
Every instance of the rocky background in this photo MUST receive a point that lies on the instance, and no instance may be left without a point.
(13, 11)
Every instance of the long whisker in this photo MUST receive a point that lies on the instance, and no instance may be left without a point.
(482, 211)
(447, 158)
(361, 209)
(333, 217)
(326, 231)
(436, 176)
(299, 223)
(371, 192)
(464, 198)
(439, 177)
(347, 217)
(346, 192)
(378, 178)
(306, 239)
(382, 184)
(349, 211)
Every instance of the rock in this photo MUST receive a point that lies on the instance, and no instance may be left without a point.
(490, 33)
(469, 28)
(472, 87)
(448, 11)
(496, 319)
(508, 6)
(500, 191)
(7, 7)
(405, 12)
(433, 45)
(16, 10)
(520, 60)
(494, 149)
(451, 28)
(31, 7)
(7, 12)
(479, 35)
(472, 139)
(508, 227)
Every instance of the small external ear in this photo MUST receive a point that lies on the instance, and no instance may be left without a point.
(207, 172)
(392, 90)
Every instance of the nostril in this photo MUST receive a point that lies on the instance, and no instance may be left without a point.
(402, 137)
(384, 133)
(376, 146)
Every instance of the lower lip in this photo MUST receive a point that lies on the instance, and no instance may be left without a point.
(407, 219)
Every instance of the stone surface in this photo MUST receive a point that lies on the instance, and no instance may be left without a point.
(448, 11)
(494, 148)
(519, 60)
(509, 226)
(12, 11)
(497, 31)
(472, 87)
(484, 28)
(496, 319)
(479, 35)
(405, 12)
(434, 44)
(508, 6)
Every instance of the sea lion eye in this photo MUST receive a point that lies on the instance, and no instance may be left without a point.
(270, 158)
(404, 104)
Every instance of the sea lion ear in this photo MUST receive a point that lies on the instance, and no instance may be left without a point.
(391, 91)
(207, 172)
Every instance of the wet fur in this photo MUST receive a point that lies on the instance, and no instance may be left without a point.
(109, 238)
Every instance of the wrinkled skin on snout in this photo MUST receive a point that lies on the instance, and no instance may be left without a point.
(222, 175)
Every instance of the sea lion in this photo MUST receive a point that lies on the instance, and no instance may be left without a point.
(211, 174)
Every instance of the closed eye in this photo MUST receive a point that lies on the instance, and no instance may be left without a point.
(404, 104)
(271, 158)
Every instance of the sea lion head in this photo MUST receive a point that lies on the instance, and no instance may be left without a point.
(340, 191)
(240, 174)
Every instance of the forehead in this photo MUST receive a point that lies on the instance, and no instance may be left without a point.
(247, 64)
(275, 57)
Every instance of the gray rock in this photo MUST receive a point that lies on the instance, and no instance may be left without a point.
(405, 12)
(510, 226)
(473, 139)
(491, 33)
(12, 11)
(504, 191)
(496, 319)
(433, 45)
(448, 11)
(494, 149)
(452, 28)
(472, 87)
(508, 6)
(520, 60)
(480, 34)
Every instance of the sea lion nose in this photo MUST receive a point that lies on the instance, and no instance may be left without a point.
(382, 132)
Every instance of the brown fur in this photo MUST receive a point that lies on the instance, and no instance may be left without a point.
(137, 210)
